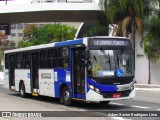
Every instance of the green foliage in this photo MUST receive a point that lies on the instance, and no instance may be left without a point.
(21, 44)
(127, 15)
(47, 34)
(95, 29)
(116, 10)
(29, 31)
(151, 41)
(4, 45)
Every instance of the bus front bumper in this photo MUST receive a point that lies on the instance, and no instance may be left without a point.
(93, 96)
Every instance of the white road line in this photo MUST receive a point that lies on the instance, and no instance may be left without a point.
(117, 103)
(140, 107)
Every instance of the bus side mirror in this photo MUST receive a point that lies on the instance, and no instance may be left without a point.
(87, 55)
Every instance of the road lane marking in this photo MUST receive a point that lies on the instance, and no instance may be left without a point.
(140, 107)
(117, 103)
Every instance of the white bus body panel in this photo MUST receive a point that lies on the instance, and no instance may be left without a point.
(6, 78)
(46, 82)
(23, 74)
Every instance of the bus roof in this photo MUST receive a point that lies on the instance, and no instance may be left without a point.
(55, 44)
(58, 44)
(69, 42)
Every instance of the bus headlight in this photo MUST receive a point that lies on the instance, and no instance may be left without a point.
(94, 88)
(91, 87)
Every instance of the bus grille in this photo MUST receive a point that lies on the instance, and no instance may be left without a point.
(110, 95)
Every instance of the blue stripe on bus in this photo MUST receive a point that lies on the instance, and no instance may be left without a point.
(70, 42)
(102, 88)
(61, 78)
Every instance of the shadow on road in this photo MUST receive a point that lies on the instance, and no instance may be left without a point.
(76, 104)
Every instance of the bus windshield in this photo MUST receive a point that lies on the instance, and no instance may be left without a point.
(108, 62)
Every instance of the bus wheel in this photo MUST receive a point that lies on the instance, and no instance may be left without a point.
(66, 96)
(22, 90)
(104, 102)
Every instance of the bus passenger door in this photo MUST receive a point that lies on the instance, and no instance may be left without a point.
(12, 72)
(34, 71)
(78, 73)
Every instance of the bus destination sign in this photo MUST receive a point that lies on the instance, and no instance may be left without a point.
(112, 42)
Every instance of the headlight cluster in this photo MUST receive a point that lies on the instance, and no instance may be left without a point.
(94, 88)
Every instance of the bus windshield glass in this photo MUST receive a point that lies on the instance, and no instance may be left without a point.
(110, 63)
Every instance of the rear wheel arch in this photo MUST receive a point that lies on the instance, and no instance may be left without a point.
(64, 89)
(22, 89)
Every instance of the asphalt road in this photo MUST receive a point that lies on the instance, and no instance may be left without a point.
(144, 101)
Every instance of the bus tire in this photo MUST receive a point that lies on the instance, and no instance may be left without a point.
(22, 90)
(104, 102)
(66, 97)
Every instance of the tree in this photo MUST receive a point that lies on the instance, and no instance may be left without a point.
(47, 34)
(99, 28)
(127, 15)
(29, 31)
(4, 45)
(151, 40)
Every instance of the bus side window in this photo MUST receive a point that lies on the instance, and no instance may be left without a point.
(43, 59)
(54, 63)
(63, 60)
(6, 61)
(52, 58)
(66, 63)
(19, 61)
(26, 60)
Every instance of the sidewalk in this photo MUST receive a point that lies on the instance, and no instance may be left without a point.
(147, 87)
(3, 118)
(1, 78)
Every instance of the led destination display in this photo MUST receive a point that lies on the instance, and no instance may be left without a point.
(109, 42)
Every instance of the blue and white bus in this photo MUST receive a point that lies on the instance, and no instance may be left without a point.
(92, 69)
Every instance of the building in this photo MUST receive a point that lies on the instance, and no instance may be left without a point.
(17, 29)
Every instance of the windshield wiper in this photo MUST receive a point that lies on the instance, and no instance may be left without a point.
(107, 57)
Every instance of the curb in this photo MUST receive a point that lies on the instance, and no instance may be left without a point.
(1, 118)
(153, 86)
(147, 89)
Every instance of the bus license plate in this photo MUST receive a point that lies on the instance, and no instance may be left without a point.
(116, 95)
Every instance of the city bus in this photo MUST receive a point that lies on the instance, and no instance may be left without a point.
(91, 69)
